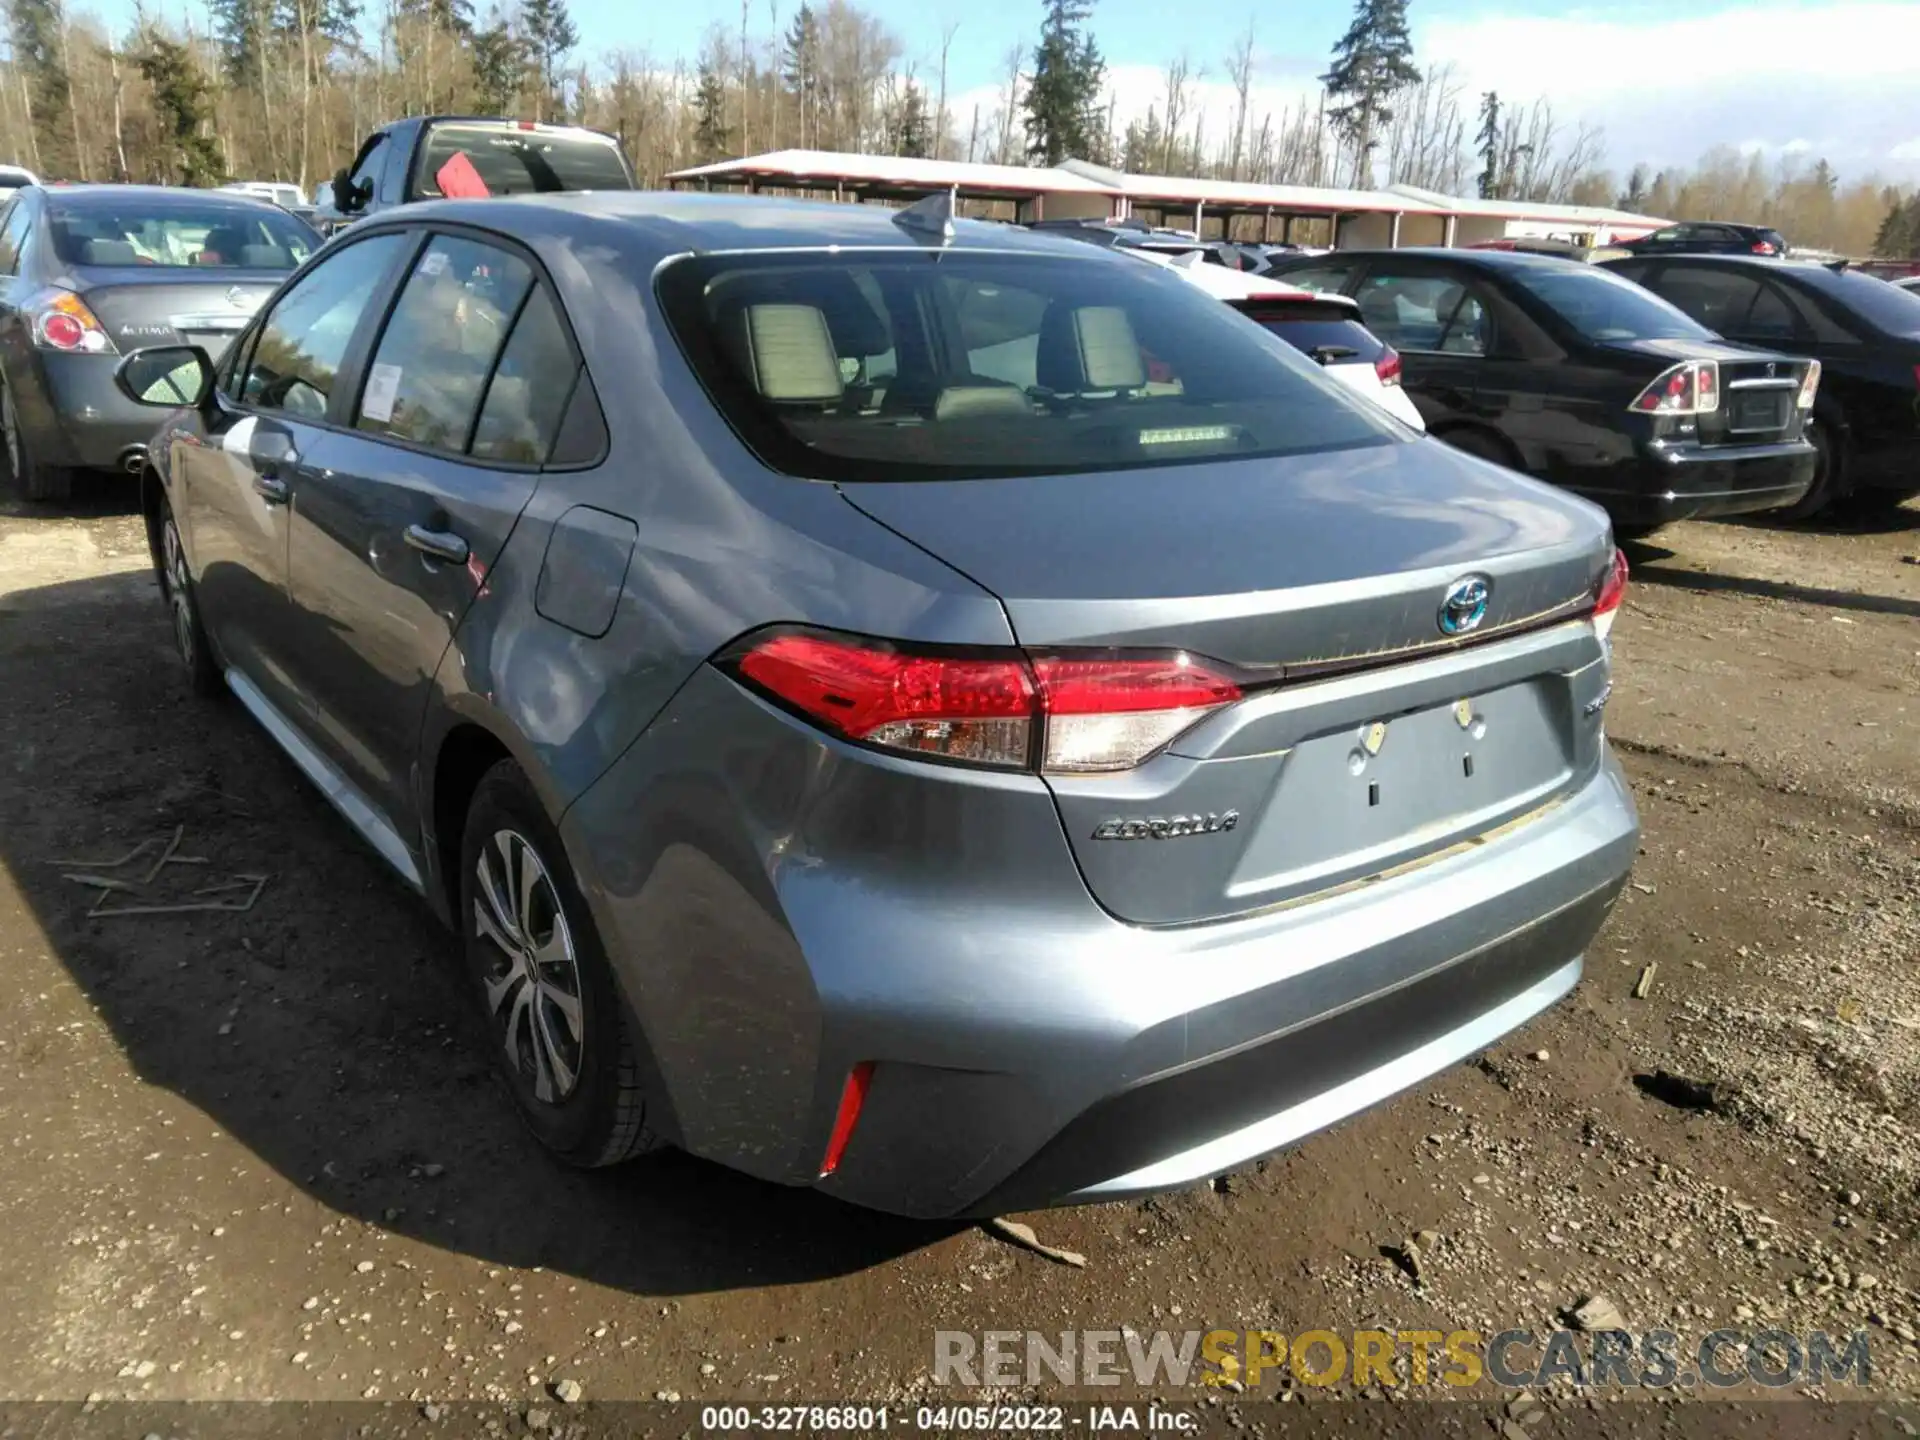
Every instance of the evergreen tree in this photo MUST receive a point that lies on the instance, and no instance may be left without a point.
(183, 103)
(1634, 197)
(914, 138)
(1063, 98)
(800, 68)
(710, 132)
(499, 63)
(1489, 145)
(1372, 63)
(36, 28)
(1899, 237)
(550, 34)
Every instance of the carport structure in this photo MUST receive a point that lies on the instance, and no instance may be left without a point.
(1006, 192)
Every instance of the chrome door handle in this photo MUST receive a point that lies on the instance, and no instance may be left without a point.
(440, 544)
(270, 488)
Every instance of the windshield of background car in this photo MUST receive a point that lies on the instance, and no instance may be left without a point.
(1605, 307)
(954, 364)
(521, 162)
(247, 236)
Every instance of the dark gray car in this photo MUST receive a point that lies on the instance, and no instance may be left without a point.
(941, 714)
(90, 272)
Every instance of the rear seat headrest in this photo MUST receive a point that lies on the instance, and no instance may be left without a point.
(789, 353)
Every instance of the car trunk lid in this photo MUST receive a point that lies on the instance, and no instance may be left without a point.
(155, 305)
(1367, 738)
(1758, 390)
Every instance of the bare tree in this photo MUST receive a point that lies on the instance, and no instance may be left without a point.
(1178, 75)
(1015, 57)
(1240, 71)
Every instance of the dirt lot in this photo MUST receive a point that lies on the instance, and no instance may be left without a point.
(254, 1155)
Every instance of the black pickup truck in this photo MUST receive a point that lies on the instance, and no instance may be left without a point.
(428, 157)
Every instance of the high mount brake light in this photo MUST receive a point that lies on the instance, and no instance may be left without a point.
(1689, 388)
(1061, 713)
(1611, 595)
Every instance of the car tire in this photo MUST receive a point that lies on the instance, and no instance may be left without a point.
(1829, 472)
(36, 481)
(556, 1024)
(183, 608)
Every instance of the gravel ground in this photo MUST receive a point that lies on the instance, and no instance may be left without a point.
(255, 1156)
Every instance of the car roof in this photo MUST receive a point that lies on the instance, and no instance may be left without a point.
(158, 196)
(668, 223)
(1495, 260)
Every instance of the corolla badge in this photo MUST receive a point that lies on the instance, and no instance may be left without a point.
(1465, 604)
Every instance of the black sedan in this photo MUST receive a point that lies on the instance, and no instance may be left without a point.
(1581, 378)
(1708, 237)
(1864, 332)
(89, 272)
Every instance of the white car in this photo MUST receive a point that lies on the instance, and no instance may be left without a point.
(286, 196)
(1325, 327)
(13, 177)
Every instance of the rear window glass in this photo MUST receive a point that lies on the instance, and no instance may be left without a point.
(519, 162)
(1885, 307)
(246, 235)
(1322, 334)
(947, 365)
(1605, 307)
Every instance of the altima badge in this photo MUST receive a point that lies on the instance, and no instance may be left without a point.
(1167, 827)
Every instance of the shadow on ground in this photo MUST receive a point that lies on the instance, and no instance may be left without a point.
(326, 1029)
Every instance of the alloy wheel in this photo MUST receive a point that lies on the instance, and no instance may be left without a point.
(532, 975)
(179, 592)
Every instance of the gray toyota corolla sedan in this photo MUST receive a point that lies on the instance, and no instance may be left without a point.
(928, 711)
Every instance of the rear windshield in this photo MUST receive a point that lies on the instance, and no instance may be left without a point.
(905, 365)
(1885, 307)
(1321, 332)
(1605, 307)
(210, 236)
(519, 162)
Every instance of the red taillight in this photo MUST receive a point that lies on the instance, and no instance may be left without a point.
(1916, 377)
(953, 707)
(62, 321)
(1763, 247)
(1612, 594)
(1691, 388)
(1387, 367)
(852, 1096)
(1059, 712)
(525, 125)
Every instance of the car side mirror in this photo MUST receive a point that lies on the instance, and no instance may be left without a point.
(346, 195)
(166, 376)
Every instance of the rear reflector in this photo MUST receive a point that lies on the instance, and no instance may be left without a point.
(853, 1095)
(1070, 713)
(1387, 367)
(1611, 596)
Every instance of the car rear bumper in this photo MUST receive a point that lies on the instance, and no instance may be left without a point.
(1682, 482)
(81, 419)
(1028, 1048)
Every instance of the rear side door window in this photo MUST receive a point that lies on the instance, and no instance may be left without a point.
(1423, 313)
(304, 341)
(1718, 299)
(438, 352)
(520, 418)
(1771, 317)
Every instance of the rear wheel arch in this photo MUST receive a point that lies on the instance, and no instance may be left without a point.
(465, 754)
(1483, 441)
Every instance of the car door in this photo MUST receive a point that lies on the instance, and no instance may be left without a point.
(415, 495)
(1439, 322)
(16, 344)
(232, 490)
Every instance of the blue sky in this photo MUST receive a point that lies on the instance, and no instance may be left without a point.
(1833, 78)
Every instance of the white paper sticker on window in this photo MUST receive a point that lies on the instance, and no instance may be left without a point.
(435, 263)
(383, 388)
